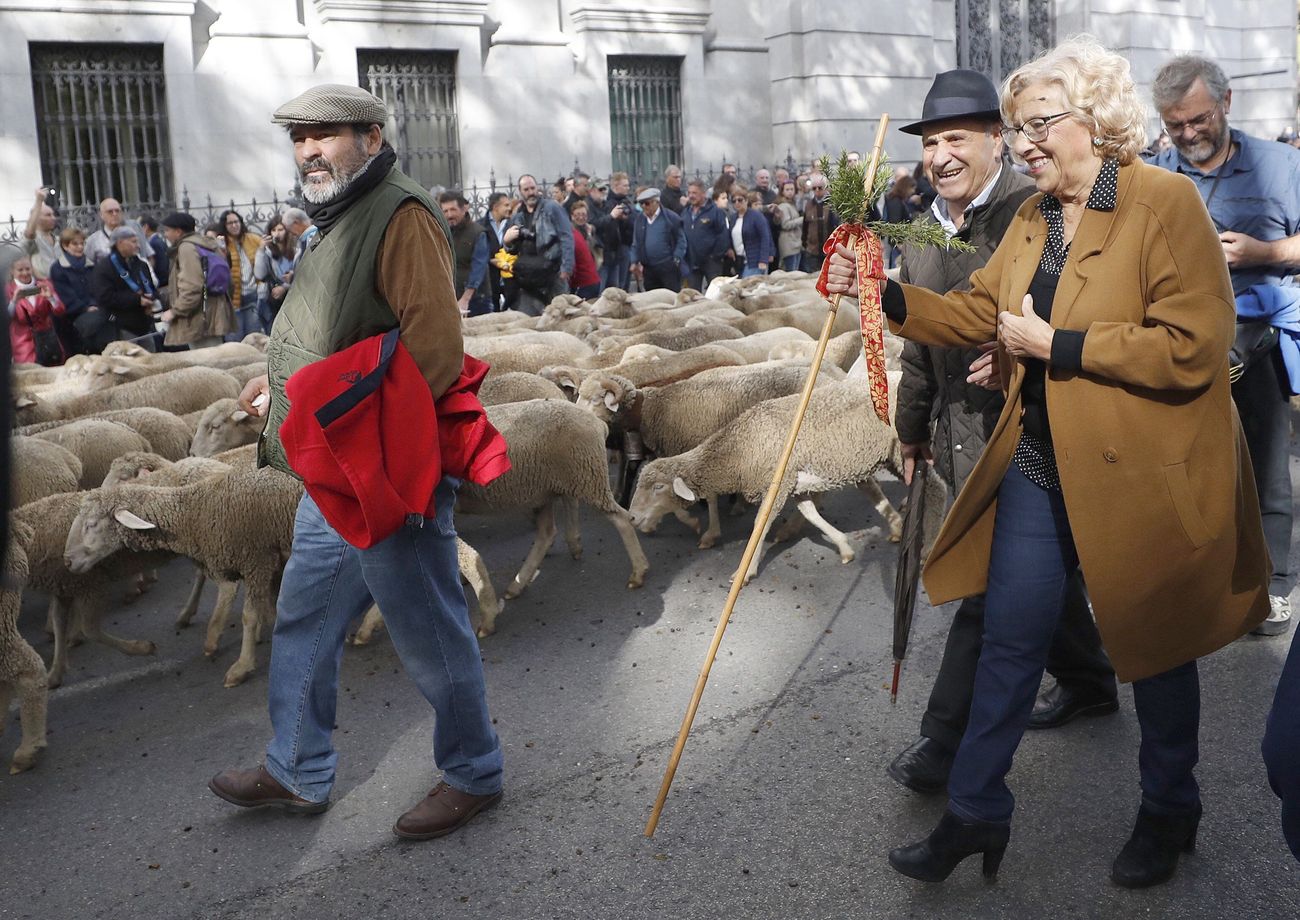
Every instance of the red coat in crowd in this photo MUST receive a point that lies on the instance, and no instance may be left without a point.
(584, 263)
(31, 313)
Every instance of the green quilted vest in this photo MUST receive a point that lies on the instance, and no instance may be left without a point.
(333, 303)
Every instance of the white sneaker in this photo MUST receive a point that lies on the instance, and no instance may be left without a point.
(1279, 617)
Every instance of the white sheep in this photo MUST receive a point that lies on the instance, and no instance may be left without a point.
(235, 526)
(842, 350)
(841, 444)
(256, 340)
(228, 354)
(656, 371)
(96, 443)
(40, 468)
(222, 426)
(808, 316)
(21, 669)
(167, 434)
(178, 391)
(527, 358)
(758, 347)
(556, 450)
(678, 338)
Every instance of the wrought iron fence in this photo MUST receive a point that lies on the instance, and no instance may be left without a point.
(419, 89)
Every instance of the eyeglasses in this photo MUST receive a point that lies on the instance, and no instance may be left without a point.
(1176, 128)
(1034, 130)
(739, 200)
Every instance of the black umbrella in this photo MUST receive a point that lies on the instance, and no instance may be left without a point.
(909, 568)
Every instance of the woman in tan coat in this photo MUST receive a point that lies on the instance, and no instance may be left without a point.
(1119, 451)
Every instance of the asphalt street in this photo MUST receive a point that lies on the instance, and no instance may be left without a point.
(781, 807)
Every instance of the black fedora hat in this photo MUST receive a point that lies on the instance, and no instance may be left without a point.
(957, 94)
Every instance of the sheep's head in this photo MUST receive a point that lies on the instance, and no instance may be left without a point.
(613, 303)
(606, 396)
(688, 295)
(98, 531)
(561, 307)
(30, 408)
(224, 425)
(124, 349)
(132, 466)
(102, 373)
(257, 339)
(566, 377)
(659, 491)
(75, 367)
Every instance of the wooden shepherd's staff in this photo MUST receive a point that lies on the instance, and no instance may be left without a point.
(764, 512)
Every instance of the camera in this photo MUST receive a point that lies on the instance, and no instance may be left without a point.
(52, 197)
(526, 234)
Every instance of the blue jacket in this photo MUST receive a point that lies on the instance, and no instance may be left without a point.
(707, 234)
(673, 244)
(72, 282)
(552, 226)
(756, 234)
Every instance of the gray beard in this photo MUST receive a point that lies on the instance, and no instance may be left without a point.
(316, 192)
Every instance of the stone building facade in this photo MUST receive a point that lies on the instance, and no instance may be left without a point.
(145, 99)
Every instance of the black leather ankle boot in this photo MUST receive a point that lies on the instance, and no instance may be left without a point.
(1151, 854)
(934, 858)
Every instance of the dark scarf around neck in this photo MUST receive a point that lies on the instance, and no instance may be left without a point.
(327, 214)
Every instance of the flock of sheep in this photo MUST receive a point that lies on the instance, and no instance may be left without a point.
(127, 460)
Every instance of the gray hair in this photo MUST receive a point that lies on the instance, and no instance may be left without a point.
(294, 216)
(1175, 79)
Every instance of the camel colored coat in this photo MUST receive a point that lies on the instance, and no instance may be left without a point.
(1153, 464)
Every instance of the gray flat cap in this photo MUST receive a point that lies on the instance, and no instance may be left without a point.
(332, 104)
(648, 194)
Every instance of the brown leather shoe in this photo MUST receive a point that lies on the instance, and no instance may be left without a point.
(440, 812)
(257, 788)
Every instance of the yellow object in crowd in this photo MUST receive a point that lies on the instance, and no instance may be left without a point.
(504, 261)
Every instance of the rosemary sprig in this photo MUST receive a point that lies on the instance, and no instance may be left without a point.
(844, 190)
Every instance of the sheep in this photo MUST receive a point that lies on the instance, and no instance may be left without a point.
(517, 387)
(76, 598)
(472, 570)
(649, 372)
(808, 316)
(41, 468)
(572, 347)
(842, 443)
(527, 358)
(246, 372)
(21, 670)
(758, 347)
(619, 300)
(678, 339)
(166, 433)
(256, 340)
(178, 391)
(556, 450)
(27, 376)
(238, 526)
(842, 350)
(227, 354)
(767, 298)
(485, 321)
(675, 418)
(96, 443)
(104, 372)
(224, 425)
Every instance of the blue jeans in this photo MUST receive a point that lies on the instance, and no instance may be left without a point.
(750, 271)
(616, 270)
(414, 577)
(1032, 559)
(1282, 747)
(246, 320)
(790, 263)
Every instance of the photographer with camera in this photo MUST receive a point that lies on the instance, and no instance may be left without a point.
(616, 234)
(39, 239)
(273, 270)
(32, 308)
(542, 236)
(124, 289)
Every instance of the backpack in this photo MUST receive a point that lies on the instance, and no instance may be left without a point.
(216, 273)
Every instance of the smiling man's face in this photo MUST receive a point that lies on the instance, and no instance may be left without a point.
(960, 157)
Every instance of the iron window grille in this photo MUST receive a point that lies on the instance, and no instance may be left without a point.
(419, 88)
(101, 123)
(645, 114)
(997, 36)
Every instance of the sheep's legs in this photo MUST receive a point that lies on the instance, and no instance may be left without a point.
(58, 622)
(544, 519)
(474, 570)
(572, 533)
(687, 518)
(89, 613)
(762, 541)
(710, 536)
(192, 602)
(371, 623)
(640, 565)
(259, 608)
(871, 489)
(809, 510)
(226, 591)
(28, 677)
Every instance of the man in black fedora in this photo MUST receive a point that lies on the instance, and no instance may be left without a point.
(948, 403)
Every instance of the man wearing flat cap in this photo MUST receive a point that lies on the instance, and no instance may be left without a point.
(195, 316)
(125, 291)
(381, 259)
(658, 245)
(949, 402)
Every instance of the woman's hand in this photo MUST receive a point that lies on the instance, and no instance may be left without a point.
(1027, 336)
(984, 370)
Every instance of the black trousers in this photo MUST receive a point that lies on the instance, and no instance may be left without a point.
(665, 275)
(699, 278)
(1076, 659)
(1263, 402)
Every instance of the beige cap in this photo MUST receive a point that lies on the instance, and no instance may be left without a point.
(332, 104)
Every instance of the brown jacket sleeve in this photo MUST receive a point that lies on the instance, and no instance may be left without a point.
(187, 280)
(415, 276)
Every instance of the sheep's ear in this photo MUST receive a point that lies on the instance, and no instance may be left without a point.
(572, 311)
(120, 369)
(24, 401)
(682, 490)
(132, 520)
(611, 401)
(238, 415)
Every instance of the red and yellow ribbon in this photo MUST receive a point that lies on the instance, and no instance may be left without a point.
(871, 270)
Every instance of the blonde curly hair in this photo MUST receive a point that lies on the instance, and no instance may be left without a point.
(1098, 88)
